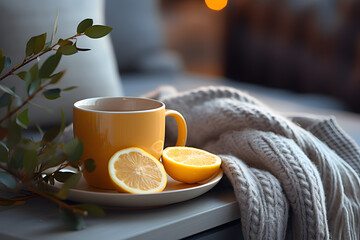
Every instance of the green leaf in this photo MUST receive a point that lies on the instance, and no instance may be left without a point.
(51, 134)
(23, 119)
(67, 50)
(62, 176)
(28, 83)
(34, 86)
(8, 90)
(22, 74)
(4, 152)
(73, 220)
(83, 49)
(30, 161)
(90, 164)
(49, 65)
(73, 150)
(14, 137)
(52, 93)
(7, 62)
(34, 82)
(5, 100)
(65, 42)
(35, 44)
(97, 31)
(8, 180)
(30, 46)
(15, 102)
(47, 46)
(83, 25)
(51, 161)
(54, 28)
(48, 151)
(26, 76)
(40, 43)
(92, 209)
(34, 72)
(2, 63)
(69, 183)
(55, 78)
(16, 159)
(69, 88)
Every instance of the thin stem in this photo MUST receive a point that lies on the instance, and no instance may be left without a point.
(17, 199)
(62, 166)
(57, 201)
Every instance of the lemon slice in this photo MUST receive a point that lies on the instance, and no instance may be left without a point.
(133, 170)
(190, 165)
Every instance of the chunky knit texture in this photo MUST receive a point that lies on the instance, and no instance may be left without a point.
(294, 178)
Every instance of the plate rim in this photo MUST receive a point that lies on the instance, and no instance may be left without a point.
(102, 198)
(207, 182)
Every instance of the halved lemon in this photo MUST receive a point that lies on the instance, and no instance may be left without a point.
(190, 165)
(133, 170)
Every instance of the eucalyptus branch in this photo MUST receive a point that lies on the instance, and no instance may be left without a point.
(23, 160)
(35, 192)
(72, 208)
(32, 58)
(26, 61)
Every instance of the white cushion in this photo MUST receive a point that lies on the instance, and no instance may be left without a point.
(138, 38)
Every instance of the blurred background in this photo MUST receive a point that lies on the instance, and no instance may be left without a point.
(305, 46)
(304, 50)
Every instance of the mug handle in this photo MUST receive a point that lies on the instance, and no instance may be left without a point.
(182, 129)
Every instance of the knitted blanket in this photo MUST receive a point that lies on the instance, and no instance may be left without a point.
(294, 178)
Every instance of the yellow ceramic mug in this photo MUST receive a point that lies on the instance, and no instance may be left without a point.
(108, 124)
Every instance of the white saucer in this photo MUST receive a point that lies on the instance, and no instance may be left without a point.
(173, 193)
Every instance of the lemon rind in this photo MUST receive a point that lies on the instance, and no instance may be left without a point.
(167, 158)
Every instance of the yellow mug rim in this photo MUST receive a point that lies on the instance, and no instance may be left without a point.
(78, 105)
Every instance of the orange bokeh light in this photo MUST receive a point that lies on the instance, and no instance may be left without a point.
(216, 5)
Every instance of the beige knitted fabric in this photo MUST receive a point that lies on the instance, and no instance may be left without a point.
(290, 181)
